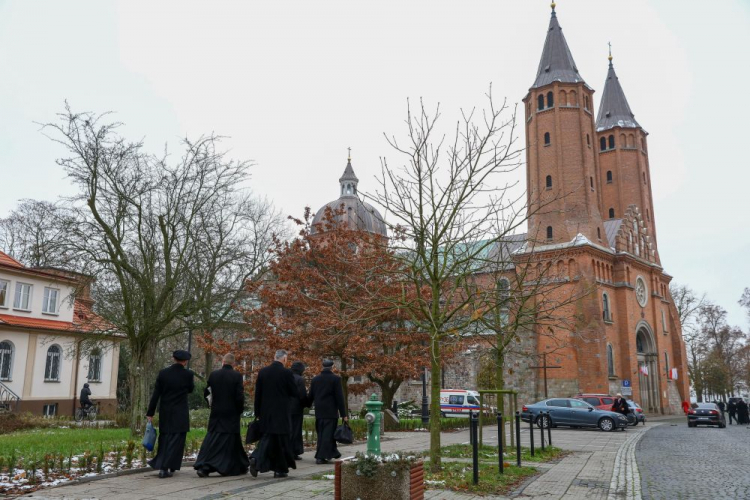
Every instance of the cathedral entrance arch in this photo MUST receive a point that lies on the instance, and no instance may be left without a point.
(648, 372)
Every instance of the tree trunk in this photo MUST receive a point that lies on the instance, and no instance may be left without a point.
(345, 385)
(435, 374)
(209, 363)
(500, 384)
(388, 390)
(139, 381)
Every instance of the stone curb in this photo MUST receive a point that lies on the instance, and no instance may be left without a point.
(108, 475)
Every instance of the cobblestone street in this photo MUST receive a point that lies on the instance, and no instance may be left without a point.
(676, 462)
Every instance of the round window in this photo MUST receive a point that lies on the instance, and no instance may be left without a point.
(641, 291)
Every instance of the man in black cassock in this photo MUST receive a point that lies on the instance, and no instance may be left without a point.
(732, 410)
(173, 385)
(743, 417)
(274, 389)
(327, 397)
(222, 449)
(297, 406)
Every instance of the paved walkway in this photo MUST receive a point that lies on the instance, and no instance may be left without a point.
(602, 466)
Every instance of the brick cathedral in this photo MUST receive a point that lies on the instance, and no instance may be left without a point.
(589, 193)
(590, 173)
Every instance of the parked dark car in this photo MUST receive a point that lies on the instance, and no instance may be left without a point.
(636, 410)
(705, 414)
(572, 412)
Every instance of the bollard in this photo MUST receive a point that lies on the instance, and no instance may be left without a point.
(541, 429)
(475, 446)
(549, 429)
(518, 438)
(531, 434)
(500, 447)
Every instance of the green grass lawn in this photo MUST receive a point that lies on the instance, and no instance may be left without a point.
(75, 440)
(488, 453)
(458, 476)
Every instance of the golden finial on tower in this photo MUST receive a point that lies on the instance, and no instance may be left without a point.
(553, 5)
(610, 51)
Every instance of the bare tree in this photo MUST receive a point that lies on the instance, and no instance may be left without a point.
(688, 305)
(449, 205)
(171, 241)
(35, 233)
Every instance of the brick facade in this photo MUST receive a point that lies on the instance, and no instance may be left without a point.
(598, 205)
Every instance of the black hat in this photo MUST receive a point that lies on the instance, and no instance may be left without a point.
(85, 385)
(327, 363)
(181, 355)
(298, 367)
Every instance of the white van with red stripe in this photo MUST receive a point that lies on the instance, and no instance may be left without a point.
(458, 402)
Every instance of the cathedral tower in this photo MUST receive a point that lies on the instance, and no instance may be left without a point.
(623, 160)
(563, 180)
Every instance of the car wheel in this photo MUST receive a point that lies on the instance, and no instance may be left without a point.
(607, 424)
(691, 424)
(542, 421)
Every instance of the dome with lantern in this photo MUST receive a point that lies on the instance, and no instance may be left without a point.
(356, 213)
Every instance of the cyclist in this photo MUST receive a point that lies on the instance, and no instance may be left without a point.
(86, 402)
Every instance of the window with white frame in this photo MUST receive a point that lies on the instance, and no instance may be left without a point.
(22, 299)
(95, 366)
(49, 304)
(52, 367)
(4, 287)
(6, 360)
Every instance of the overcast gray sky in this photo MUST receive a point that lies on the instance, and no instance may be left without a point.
(294, 83)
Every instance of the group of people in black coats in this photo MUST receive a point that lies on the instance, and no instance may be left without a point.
(280, 400)
(737, 410)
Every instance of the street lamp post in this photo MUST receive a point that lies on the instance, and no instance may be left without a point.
(425, 404)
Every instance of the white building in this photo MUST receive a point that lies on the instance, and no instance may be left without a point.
(44, 316)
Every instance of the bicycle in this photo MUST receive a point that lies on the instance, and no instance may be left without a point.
(89, 413)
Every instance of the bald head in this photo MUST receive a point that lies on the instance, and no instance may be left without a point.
(228, 359)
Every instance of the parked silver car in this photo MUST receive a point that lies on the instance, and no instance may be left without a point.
(572, 413)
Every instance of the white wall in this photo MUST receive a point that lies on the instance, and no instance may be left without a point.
(64, 298)
(99, 390)
(62, 389)
(20, 343)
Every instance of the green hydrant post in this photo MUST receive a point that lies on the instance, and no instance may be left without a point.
(373, 418)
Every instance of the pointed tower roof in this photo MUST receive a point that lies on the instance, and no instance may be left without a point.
(557, 63)
(348, 173)
(614, 110)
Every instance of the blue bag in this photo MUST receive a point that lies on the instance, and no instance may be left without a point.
(149, 438)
